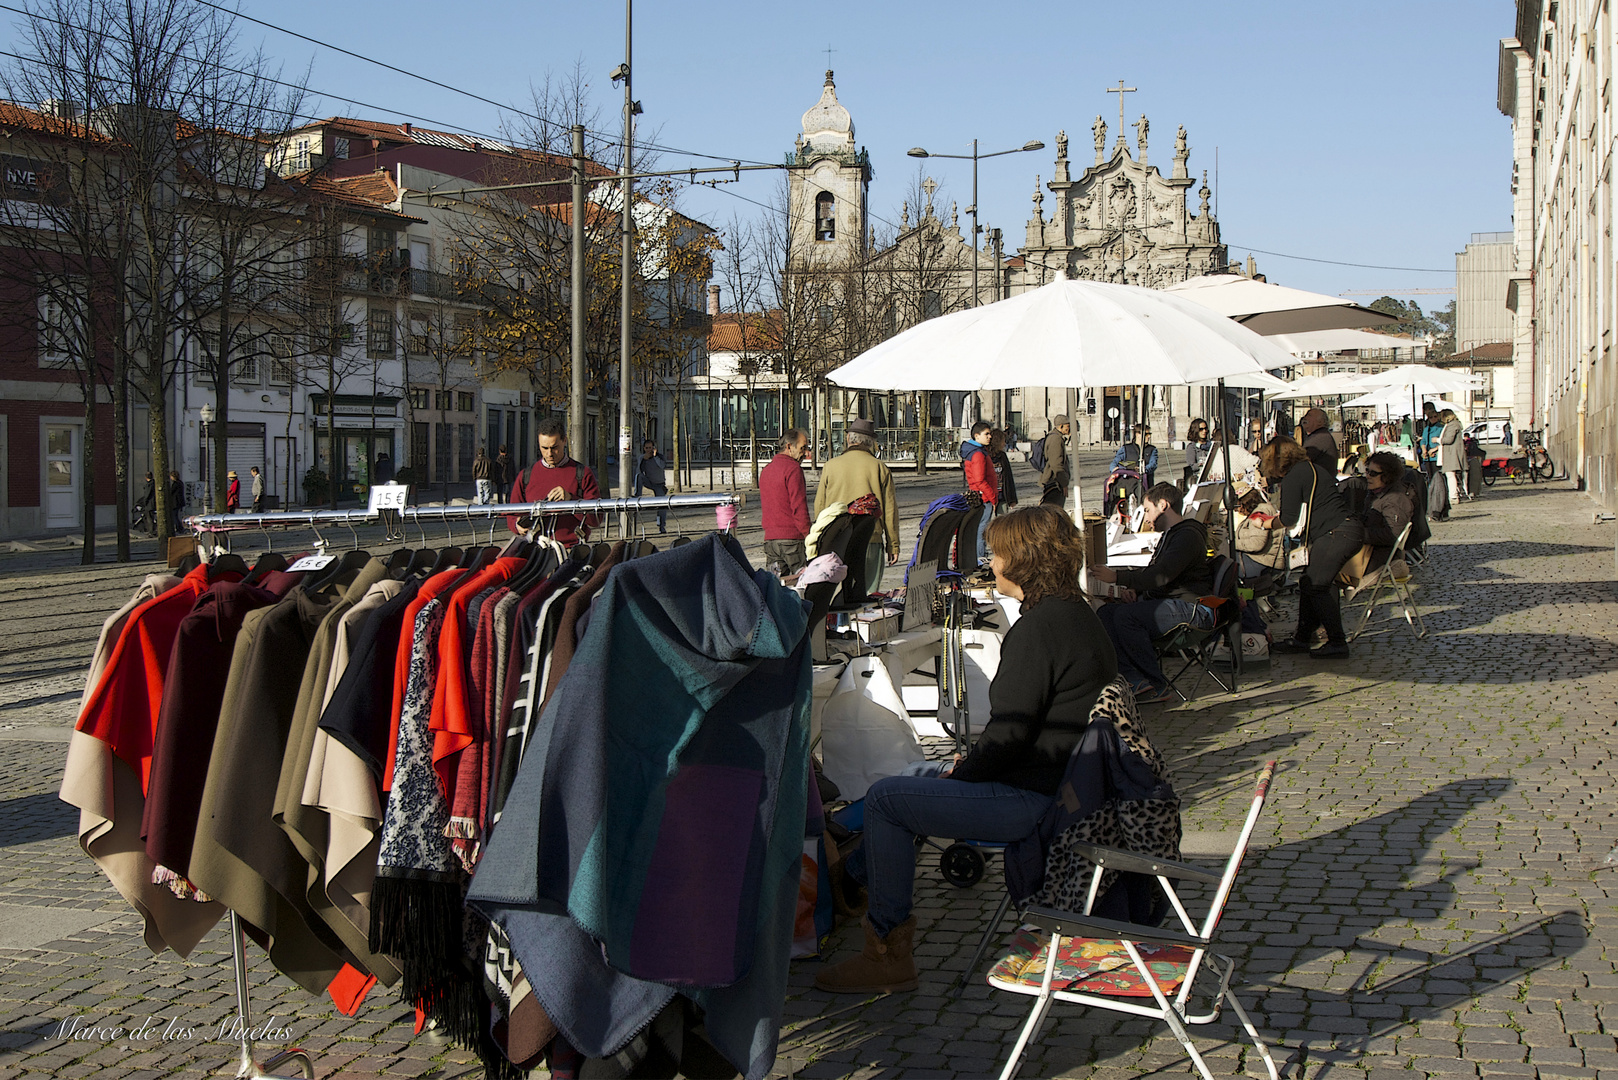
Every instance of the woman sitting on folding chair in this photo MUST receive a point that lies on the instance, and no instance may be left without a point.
(1390, 508)
(1054, 663)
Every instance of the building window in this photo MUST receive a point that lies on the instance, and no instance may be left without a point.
(463, 401)
(825, 216)
(464, 445)
(379, 244)
(419, 398)
(246, 371)
(299, 161)
(283, 366)
(446, 400)
(379, 335)
(56, 332)
(932, 305)
(420, 439)
(417, 341)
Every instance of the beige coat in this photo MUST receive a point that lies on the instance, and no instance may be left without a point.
(856, 472)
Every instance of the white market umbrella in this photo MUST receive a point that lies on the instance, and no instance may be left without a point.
(1341, 340)
(1275, 309)
(1337, 384)
(1396, 397)
(1423, 379)
(1066, 333)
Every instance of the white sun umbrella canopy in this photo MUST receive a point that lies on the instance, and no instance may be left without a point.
(1275, 309)
(1401, 398)
(1423, 379)
(1066, 333)
(1337, 384)
(1337, 340)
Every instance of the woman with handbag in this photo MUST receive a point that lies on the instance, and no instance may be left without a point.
(1451, 454)
(1311, 505)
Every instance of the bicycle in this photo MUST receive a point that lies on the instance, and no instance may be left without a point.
(1540, 465)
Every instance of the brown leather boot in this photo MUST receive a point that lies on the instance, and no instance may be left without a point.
(884, 966)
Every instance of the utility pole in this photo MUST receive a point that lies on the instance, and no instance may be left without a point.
(575, 399)
(626, 267)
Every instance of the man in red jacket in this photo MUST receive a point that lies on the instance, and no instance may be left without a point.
(784, 503)
(978, 467)
(553, 477)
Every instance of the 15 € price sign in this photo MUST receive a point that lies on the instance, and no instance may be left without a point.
(388, 497)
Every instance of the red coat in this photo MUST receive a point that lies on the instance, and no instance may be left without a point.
(783, 500)
(233, 496)
(981, 476)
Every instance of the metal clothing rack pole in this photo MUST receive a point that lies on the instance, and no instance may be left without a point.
(206, 523)
(248, 1067)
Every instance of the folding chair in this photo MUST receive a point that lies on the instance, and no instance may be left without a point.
(1196, 647)
(1397, 585)
(1123, 964)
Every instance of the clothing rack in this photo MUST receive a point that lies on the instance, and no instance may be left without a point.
(212, 526)
(218, 523)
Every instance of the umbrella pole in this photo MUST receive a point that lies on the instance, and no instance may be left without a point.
(1229, 486)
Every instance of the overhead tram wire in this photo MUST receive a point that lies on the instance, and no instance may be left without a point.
(1339, 262)
(607, 136)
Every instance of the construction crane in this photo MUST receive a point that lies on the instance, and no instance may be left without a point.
(1398, 292)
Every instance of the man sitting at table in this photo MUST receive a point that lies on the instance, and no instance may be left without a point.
(1159, 596)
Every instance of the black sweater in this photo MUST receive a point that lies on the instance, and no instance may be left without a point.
(1307, 484)
(1053, 665)
(1180, 568)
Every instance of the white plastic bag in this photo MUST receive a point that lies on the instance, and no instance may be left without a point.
(864, 731)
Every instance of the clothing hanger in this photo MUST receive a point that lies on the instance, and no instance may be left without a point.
(347, 565)
(268, 563)
(399, 563)
(188, 564)
(642, 549)
(448, 558)
(227, 563)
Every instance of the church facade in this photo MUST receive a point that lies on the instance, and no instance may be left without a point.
(1118, 219)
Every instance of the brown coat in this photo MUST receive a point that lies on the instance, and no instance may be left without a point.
(856, 472)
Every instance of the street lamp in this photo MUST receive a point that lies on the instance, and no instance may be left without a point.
(974, 157)
(207, 414)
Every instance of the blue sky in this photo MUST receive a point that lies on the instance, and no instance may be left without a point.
(1362, 133)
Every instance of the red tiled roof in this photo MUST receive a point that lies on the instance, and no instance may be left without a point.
(403, 133)
(763, 331)
(1494, 350)
(372, 192)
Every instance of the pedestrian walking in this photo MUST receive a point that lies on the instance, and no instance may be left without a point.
(257, 490)
(783, 503)
(233, 493)
(998, 438)
(504, 471)
(977, 467)
(1056, 475)
(856, 472)
(483, 477)
(651, 474)
(176, 502)
(146, 507)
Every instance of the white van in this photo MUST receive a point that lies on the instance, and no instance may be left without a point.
(1488, 431)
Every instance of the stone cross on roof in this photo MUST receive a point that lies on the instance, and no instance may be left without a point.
(1120, 90)
(929, 185)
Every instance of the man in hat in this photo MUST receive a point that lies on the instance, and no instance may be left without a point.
(1317, 439)
(1057, 475)
(856, 472)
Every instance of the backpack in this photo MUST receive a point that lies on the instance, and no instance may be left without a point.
(1036, 453)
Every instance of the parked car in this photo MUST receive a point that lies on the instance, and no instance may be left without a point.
(1488, 431)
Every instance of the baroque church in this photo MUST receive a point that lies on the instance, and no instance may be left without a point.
(1120, 219)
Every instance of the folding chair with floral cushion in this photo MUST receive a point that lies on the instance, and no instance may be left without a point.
(1114, 793)
(1392, 581)
(1129, 967)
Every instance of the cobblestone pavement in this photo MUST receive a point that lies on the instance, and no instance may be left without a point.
(1430, 894)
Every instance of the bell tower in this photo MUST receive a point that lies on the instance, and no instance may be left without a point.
(828, 188)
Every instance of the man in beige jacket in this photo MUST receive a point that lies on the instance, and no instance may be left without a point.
(856, 472)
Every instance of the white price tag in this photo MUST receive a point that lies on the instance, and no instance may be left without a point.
(388, 497)
(311, 562)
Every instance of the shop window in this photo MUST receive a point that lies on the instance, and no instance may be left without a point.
(463, 443)
(443, 450)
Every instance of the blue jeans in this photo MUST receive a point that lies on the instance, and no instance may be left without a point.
(983, 532)
(900, 808)
(1133, 628)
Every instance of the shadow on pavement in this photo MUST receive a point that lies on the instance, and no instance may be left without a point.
(29, 818)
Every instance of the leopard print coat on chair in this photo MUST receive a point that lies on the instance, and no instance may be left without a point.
(1115, 792)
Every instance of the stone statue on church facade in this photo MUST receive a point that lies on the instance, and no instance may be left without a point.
(1099, 129)
(1061, 145)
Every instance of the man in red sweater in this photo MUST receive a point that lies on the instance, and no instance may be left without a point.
(553, 477)
(784, 503)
